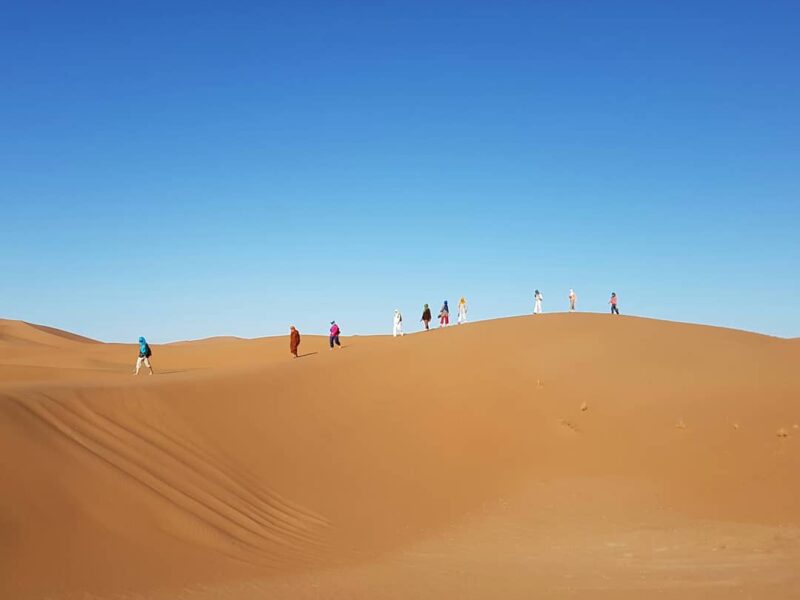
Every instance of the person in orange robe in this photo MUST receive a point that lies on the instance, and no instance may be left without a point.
(294, 340)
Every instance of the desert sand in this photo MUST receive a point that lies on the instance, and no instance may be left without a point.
(556, 456)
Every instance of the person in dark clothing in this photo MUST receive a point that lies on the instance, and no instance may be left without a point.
(426, 317)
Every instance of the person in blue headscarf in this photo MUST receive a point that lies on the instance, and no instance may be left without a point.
(444, 315)
(144, 356)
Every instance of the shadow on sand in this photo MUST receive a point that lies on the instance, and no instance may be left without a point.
(176, 371)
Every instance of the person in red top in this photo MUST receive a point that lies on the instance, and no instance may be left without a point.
(613, 303)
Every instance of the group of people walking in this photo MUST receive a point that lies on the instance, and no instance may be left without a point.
(573, 302)
(397, 325)
(444, 316)
(333, 338)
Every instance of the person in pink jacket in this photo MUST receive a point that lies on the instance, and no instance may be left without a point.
(334, 337)
(613, 303)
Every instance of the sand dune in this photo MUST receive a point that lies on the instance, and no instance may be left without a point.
(20, 332)
(557, 456)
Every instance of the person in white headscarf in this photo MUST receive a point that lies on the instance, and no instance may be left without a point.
(397, 329)
(462, 310)
(573, 299)
(537, 302)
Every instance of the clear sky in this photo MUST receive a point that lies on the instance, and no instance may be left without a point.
(187, 169)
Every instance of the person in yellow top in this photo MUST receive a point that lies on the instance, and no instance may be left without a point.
(462, 310)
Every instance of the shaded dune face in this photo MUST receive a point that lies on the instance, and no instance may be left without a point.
(529, 437)
(207, 501)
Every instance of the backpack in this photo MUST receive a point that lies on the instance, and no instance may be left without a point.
(147, 352)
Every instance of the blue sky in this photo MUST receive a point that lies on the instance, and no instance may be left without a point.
(187, 169)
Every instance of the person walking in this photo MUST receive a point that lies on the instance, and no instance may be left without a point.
(334, 337)
(397, 329)
(294, 340)
(462, 310)
(613, 303)
(537, 302)
(426, 316)
(573, 299)
(144, 356)
(444, 315)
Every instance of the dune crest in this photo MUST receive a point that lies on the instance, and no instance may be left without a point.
(21, 332)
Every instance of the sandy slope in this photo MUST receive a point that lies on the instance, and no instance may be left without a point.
(561, 456)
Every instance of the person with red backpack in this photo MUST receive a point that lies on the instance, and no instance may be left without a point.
(334, 337)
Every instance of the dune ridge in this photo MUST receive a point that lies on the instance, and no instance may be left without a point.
(574, 456)
(20, 332)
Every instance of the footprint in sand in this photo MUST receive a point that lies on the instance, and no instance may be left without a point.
(680, 425)
(782, 433)
(584, 407)
(569, 425)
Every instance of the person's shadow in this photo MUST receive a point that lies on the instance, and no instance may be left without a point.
(306, 354)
